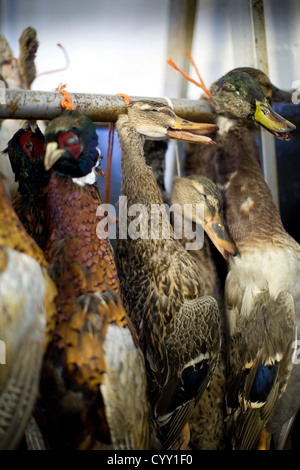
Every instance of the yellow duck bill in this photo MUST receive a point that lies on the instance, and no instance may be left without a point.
(273, 122)
(189, 131)
(218, 234)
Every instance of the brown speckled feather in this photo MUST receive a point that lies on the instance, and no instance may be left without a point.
(31, 212)
(72, 220)
(162, 288)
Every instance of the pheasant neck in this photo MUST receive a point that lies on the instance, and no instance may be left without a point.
(74, 240)
(12, 232)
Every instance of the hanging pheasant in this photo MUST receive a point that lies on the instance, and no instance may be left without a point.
(26, 150)
(27, 312)
(93, 387)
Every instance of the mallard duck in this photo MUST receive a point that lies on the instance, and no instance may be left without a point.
(93, 382)
(264, 278)
(262, 286)
(162, 286)
(237, 95)
(27, 303)
(271, 91)
(270, 286)
(207, 423)
(201, 162)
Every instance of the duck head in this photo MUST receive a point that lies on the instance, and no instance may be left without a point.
(237, 94)
(271, 92)
(192, 190)
(158, 121)
(71, 144)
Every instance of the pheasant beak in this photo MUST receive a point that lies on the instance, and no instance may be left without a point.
(191, 131)
(218, 234)
(52, 154)
(273, 122)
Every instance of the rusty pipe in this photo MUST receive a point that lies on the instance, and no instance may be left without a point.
(45, 105)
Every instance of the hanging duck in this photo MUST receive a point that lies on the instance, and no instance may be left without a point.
(27, 307)
(162, 287)
(262, 286)
(93, 383)
(207, 423)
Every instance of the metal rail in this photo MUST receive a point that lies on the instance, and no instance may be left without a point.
(269, 160)
(43, 105)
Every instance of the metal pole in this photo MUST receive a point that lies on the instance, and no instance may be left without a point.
(43, 105)
(180, 37)
(269, 160)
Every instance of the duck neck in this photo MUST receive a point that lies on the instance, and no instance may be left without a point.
(138, 181)
(250, 210)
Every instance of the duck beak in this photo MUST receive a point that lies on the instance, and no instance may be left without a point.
(218, 234)
(189, 131)
(273, 122)
(52, 154)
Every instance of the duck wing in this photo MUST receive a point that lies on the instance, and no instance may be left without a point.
(260, 366)
(192, 352)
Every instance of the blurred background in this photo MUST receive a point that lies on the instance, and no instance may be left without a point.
(123, 45)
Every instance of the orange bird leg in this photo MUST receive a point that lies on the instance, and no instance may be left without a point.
(206, 91)
(126, 98)
(201, 84)
(66, 101)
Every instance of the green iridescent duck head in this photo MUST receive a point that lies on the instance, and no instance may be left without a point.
(238, 95)
(271, 91)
